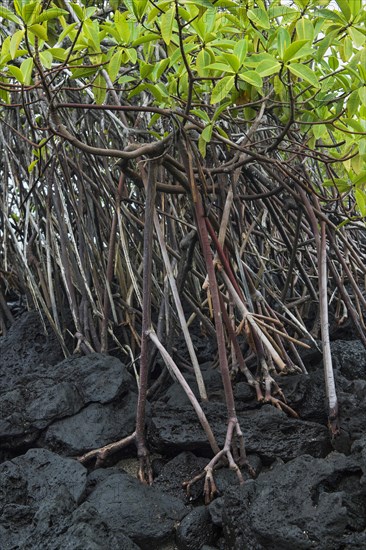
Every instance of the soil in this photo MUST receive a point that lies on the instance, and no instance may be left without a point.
(309, 492)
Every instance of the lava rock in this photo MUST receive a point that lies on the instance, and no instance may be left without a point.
(143, 513)
(27, 348)
(349, 357)
(183, 467)
(176, 396)
(308, 503)
(94, 426)
(265, 431)
(34, 486)
(34, 401)
(195, 530)
(306, 395)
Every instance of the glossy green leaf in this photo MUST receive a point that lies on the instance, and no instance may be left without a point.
(344, 6)
(295, 50)
(52, 13)
(16, 73)
(362, 94)
(46, 58)
(202, 61)
(220, 67)
(79, 10)
(39, 30)
(361, 201)
(166, 25)
(305, 29)
(15, 41)
(283, 41)
(149, 37)
(241, 49)
(357, 36)
(222, 89)
(267, 67)
(252, 78)
(30, 11)
(232, 60)
(305, 73)
(99, 89)
(114, 65)
(259, 17)
(8, 14)
(207, 133)
(353, 103)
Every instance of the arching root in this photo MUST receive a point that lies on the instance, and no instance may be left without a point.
(102, 453)
(233, 455)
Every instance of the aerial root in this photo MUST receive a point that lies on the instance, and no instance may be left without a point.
(233, 455)
(145, 473)
(102, 453)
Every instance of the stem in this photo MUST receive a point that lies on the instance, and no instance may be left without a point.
(146, 312)
(182, 381)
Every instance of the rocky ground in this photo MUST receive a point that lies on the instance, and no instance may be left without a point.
(308, 493)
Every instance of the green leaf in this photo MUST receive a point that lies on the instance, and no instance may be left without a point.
(207, 133)
(361, 201)
(145, 69)
(222, 89)
(144, 39)
(160, 68)
(200, 113)
(38, 30)
(345, 8)
(52, 13)
(360, 179)
(125, 79)
(131, 54)
(283, 41)
(267, 67)
(82, 72)
(305, 73)
(233, 61)
(252, 78)
(79, 11)
(91, 29)
(353, 103)
(99, 89)
(32, 165)
(202, 3)
(355, 124)
(114, 65)
(294, 51)
(202, 144)
(30, 11)
(46, 58)
(67, 30)
(319, 130)
(355, 7)
(220, 67)
(259, 17)
(305, 29)
(358, 37)
(15, 41)
(123, 27)
(241, 49)
(16, 73)
(202, 61)
(362, 94)
(7, 14)
(166, 25)
(58, 53)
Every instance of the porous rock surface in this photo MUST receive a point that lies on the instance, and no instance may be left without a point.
(308, 493)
